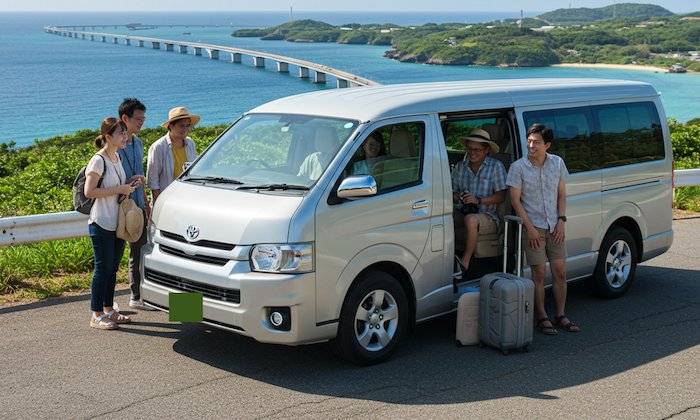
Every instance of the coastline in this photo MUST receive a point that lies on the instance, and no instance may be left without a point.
(615, 66)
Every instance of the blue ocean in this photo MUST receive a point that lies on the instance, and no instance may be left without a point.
(53, 85)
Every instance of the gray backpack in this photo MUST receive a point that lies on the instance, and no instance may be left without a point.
(81, 203)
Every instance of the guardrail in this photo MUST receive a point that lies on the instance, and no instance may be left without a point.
(56, 226)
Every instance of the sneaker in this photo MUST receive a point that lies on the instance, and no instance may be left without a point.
(137, 304)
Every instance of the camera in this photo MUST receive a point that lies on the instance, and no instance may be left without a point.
(468, 208)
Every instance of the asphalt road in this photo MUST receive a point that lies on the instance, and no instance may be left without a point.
(637, 357)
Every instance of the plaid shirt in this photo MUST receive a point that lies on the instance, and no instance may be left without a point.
(489, 179)
(539, 188)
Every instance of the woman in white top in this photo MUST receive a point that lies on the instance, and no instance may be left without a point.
(374, 152)
(103, 220)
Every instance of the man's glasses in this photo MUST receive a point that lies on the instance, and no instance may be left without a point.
(142, 119)
(477, 150)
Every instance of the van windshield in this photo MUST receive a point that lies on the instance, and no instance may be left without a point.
(273, 152)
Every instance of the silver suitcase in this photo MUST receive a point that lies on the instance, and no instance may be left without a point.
(507, 303)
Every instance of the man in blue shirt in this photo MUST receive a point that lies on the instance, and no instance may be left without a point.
(133, 113)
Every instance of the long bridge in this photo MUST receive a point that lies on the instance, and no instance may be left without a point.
(344, 78)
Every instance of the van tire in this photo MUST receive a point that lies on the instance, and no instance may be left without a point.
(357, 341)
(617, 264)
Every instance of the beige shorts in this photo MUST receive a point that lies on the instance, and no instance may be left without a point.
(548, 250)
(486, 223)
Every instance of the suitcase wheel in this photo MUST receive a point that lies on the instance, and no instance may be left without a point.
(526, 348)
(459, 343)
(481, 344)
(504, 351)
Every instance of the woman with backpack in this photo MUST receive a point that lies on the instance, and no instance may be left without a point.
(106, 166)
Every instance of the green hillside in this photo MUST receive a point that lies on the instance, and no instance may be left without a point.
(585, 15)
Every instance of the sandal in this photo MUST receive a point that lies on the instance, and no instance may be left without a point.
(102, 323)
(117, 317)
(543, 329)
(570, 326)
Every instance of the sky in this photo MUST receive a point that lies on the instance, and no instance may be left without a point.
(676, 6)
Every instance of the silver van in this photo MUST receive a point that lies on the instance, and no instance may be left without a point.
(292, 239)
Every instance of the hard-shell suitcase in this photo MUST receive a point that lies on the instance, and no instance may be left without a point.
(467, 320)
(507, 303)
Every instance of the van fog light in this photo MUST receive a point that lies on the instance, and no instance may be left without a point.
(280, 318)
(276, 319)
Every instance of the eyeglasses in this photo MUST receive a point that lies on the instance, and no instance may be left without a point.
(141, 119)
(477, 150)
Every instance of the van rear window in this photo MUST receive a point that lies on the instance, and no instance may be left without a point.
(603, 136)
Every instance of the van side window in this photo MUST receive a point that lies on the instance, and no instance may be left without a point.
(629, 133)
(574, 139)
(398, 162)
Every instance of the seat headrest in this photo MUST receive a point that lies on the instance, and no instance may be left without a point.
(402, 145)
(327, 140)
(495, 132)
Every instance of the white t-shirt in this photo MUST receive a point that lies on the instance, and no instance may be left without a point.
(105, 211)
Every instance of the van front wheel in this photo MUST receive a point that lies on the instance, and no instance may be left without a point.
(373, 319)
(617, 263)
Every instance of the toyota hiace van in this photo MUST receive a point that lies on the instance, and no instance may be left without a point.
(290, 243)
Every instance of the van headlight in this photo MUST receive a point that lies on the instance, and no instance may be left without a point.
(151, 231)
(287, 258)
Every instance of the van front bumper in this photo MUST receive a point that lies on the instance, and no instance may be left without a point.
(236, 299)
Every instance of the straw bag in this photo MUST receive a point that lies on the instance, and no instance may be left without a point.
(130, 224)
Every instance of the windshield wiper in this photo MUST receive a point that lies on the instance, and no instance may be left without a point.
(271, 187)
(216, 179)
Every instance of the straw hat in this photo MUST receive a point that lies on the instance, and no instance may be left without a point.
(130, 221)
(482, 136)
(178, 114)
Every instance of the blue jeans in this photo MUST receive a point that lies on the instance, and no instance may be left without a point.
(108, 251)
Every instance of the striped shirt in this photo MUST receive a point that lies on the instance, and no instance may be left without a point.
(489, 179)
(539, 188)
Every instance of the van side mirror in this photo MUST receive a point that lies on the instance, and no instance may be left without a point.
(355, 187)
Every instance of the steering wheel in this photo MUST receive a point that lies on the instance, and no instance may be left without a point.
(260, 161)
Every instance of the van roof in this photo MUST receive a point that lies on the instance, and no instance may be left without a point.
(376, 102)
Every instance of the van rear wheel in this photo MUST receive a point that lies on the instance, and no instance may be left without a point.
(373, 319)
(617, 263)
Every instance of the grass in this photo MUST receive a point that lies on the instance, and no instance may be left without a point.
(41, 270)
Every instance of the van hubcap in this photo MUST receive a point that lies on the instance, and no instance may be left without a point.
(618, 264)
(376, 320)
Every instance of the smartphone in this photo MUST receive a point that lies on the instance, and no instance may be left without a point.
(133, 184)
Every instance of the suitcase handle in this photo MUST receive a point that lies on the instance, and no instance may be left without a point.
(518, 242)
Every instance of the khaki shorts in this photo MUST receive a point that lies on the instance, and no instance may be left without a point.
(548, 248)
(486, 223)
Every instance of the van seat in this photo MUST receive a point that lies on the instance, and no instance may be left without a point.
(490, 245)
(404, 164)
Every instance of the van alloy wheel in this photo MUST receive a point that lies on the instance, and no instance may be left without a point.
(373, 319)
(617, 263)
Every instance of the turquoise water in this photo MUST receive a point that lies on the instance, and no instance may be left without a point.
(53, 85)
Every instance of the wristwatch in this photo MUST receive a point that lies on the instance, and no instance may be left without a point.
(478, 200)
(563, 218)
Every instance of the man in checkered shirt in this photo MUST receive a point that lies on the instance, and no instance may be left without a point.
(479, 180)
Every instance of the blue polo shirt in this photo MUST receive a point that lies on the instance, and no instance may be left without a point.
(132, 161)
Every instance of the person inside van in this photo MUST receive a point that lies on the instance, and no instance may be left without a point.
(537, 184)
(373, 151)
(479, 185)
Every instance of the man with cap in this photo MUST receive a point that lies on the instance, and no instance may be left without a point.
(479, 180)
(167, 156)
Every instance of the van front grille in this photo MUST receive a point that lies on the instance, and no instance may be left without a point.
(203, 243)
(185, 285)
(199, 258)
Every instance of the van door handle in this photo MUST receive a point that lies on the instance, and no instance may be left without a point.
(421, 204)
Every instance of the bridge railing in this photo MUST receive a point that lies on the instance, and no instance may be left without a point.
(56, 226)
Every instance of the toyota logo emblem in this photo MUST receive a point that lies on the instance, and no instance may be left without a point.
(192, 232)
